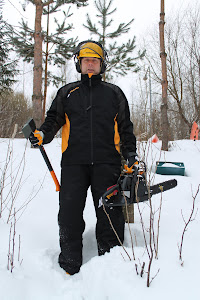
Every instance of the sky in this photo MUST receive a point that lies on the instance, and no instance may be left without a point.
(145, 12)
(146, 15)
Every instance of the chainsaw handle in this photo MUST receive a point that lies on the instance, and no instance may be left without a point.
(110, 191)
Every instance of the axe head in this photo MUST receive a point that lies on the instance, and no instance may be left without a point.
(28, 128)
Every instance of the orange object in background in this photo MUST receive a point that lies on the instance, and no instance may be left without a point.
(154, 139)
(194, 132)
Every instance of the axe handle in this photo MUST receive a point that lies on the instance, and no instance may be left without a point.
(43, 152)
(55, 181)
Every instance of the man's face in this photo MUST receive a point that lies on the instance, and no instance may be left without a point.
(90, 65)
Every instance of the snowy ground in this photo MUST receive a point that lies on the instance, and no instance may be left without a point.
(36, 273)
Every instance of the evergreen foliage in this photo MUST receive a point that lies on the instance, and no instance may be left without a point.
(121, 57)
(7, 66)
(60, 47)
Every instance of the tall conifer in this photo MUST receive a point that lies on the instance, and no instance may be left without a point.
(29, 42)
(121, 56)
(7, 66)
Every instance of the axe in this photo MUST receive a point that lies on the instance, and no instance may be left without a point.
(29, 128)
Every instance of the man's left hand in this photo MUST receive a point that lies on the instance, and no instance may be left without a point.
(132, 160)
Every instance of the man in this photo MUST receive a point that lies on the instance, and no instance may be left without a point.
(95, 121)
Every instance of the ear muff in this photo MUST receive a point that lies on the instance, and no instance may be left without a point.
(78, 65)
(77, 58)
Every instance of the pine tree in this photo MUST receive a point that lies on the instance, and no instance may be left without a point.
(29, 43)
(7, 66)
(121, 57)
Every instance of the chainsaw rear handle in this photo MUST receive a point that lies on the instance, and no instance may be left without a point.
(110, 191)
(29, 128)
(123, 184)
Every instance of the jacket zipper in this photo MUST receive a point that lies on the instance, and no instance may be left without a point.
(91, 119)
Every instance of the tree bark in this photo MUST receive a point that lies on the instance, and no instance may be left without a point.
(45, 72)
(164, 116)
(37, 69)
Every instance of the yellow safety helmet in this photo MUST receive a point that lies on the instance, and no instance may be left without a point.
(90, 49)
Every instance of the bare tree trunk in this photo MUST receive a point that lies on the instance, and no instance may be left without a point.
(164, 117)
(45, 72)
(37, 69)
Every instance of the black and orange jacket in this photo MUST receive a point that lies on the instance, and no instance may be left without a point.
(95, 119)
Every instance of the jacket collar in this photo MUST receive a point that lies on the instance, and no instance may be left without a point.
(95, 79)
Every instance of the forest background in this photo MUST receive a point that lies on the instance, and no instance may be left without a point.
(141, 80)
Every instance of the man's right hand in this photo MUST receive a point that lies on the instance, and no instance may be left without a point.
(36, 138)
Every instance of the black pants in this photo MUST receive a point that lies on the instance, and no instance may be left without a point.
(75, 181)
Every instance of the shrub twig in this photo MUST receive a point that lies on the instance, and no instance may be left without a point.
(190, 219)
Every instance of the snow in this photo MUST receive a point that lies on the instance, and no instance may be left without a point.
(37, 274)
(170, 165)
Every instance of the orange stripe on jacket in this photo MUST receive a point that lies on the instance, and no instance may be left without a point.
(74, 90)
(65, 134)
(116, 137)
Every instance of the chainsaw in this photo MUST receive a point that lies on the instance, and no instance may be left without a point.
(132, 187)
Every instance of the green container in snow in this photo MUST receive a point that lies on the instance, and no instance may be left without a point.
(170, 168)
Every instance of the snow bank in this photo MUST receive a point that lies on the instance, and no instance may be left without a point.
(37, 274)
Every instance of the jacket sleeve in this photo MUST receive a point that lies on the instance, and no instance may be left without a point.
(55, 118)
(125, 127)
